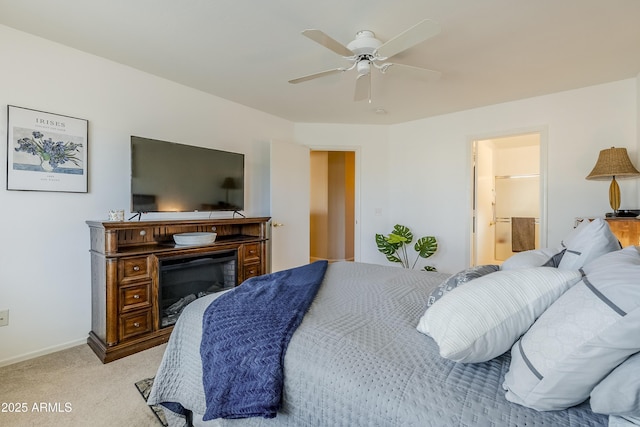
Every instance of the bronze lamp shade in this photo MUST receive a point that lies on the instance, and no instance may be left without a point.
(613, 162)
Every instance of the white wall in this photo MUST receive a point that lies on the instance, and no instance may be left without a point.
(432, 185)
(372, 169)
(44, 256)
(419, 173)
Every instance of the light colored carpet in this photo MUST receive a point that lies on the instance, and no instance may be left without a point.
(73, 388)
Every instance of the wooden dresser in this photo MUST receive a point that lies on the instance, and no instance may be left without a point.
(627, 230)
(125, 259)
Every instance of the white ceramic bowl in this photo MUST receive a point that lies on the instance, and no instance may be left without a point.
(194, 238)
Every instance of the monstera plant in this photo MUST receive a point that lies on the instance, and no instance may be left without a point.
(394, 246)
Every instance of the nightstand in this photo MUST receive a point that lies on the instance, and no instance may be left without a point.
(627, 230)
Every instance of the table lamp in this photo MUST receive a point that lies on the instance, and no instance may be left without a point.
(613, 162)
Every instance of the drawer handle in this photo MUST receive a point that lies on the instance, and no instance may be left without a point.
(136, 296)
(136, 268)
(252, 252)
(252, 271)
(137, 324)
(143, 232)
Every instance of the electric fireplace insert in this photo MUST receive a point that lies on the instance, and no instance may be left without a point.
(185, 278)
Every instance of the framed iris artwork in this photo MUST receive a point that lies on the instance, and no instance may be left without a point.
(45, 151)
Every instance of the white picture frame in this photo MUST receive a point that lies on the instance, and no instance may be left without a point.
(46, 151)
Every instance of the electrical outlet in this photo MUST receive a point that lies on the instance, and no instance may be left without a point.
(4, 317)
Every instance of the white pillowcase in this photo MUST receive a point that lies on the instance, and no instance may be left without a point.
(478, 322)
(586, 242)
(619, 392)
(589, 241)
(582, 337)
(459, 279)
(617, 421)
(530, 259)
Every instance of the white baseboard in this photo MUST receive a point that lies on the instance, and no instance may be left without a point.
(42, 352)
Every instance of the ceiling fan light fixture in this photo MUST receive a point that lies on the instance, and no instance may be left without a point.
(364, 67)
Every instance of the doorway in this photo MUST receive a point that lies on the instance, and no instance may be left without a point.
(508, 199)
(332, 216)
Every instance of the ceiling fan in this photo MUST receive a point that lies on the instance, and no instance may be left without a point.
(365, 52)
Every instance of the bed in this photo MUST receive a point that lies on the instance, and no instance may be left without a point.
(357, 359)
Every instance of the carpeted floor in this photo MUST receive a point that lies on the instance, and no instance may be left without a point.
(72, 388)
(144, 387)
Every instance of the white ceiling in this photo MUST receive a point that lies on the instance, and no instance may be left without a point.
(489, 51)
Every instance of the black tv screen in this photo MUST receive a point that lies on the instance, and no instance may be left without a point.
(172, 177)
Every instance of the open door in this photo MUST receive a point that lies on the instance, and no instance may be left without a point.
(508, 182)
(290, 192)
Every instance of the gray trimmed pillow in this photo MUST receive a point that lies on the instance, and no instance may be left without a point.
(460, 278)
(580, 338)
(554, 261)
(589, 241)
(619, 392)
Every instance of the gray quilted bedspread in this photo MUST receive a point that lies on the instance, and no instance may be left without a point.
(358, 360)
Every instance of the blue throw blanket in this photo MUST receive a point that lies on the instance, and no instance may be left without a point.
(244, 338)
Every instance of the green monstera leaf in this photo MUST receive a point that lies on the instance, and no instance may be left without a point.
(388, 248)
(426, 246)
(401, 233)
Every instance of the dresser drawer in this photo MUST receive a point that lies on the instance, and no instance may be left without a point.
(136, 323)
(251, 252)
(251, 271)
(135, 297)
(135, 268)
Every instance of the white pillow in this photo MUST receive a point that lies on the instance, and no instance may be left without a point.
(582, 337)
(619, 392)
(530, 259)
(478, 322)
(589, 241)
(459, 279)
(616, 421)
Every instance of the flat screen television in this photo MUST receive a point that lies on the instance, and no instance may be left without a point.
(172, 177)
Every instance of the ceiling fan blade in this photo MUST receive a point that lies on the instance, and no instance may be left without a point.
(409, 38)
(419, 72)
(326, 41)
(363, 87)
(316, 75)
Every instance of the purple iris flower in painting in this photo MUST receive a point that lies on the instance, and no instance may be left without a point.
(52, 152)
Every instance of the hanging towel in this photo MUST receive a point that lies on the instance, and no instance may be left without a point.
(523, 234)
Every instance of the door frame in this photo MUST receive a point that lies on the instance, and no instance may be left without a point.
(356, 226)
(542, 131)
